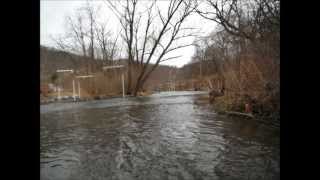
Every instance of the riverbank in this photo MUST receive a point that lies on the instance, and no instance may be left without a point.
(229, 108)
(67, 97)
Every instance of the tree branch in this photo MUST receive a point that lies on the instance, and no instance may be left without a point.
(170, 58)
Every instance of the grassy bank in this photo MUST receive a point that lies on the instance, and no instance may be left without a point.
(266, 107)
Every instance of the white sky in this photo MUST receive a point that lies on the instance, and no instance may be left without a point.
(52, 22)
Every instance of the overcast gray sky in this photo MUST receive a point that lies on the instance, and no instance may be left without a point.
(52, 22)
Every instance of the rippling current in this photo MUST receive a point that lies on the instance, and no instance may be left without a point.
(164, 136)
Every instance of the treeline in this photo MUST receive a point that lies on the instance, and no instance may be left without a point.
(244, 51)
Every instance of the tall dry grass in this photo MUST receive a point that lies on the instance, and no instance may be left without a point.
(255, 82)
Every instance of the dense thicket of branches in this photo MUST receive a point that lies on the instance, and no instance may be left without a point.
(244, 48)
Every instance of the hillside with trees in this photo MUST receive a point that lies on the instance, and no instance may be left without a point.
(104, 83)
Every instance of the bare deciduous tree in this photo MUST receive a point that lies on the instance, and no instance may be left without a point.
(248, 19)
(76, 36)
(251, 25)
(108, 45)
(89, 10)
(153, 41)
(86, 36)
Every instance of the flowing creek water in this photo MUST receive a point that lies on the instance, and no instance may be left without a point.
(170, 135)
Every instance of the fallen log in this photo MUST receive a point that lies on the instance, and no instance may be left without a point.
(249, 115)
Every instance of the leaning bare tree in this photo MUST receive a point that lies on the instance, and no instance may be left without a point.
(151, 35)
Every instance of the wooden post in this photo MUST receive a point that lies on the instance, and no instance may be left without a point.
(79, 89)
(59, 96)
(73, 90)
(122, 75)
(122, 78)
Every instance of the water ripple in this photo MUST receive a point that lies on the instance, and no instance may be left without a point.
(165, 136)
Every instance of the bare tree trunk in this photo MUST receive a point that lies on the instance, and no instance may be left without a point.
(152, 41)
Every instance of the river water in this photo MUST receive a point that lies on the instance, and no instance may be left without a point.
(171, 135)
